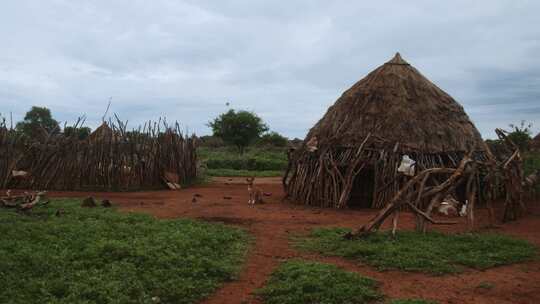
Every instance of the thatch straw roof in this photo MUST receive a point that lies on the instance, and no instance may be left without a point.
(397, 103)
(535, 143)
(103, 133)
(3, 130)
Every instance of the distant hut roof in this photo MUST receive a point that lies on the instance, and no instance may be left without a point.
(3, 132)
(397, 103)
(103, 133)
(535, 142)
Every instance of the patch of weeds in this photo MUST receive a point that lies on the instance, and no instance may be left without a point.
(98, 255)
(433, 252)
(486, 285)
(298, 282)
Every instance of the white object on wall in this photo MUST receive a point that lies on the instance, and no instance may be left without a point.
(407, 165)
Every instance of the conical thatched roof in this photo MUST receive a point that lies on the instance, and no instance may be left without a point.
(535, 143)
(103, 133)
(3, 130)
(397, 103)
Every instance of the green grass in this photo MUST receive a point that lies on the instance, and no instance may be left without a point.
(102, 256)
(241, 173)
(411, 301)
(299, 282)
(433, 252)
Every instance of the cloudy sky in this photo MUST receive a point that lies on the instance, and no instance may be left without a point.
(286, 60)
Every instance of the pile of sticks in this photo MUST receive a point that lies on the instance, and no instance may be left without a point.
(124, 160)
(24, 202)
(513, 178)
(422, 193)
(325, 177)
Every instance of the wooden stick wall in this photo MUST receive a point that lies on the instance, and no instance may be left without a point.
(114, 160)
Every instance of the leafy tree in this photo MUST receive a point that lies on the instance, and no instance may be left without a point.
(81, 133)
(238, 128)
(36, 121)
(273, 139)
(521, 135)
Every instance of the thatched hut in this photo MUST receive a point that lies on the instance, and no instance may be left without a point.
(350, 158)
(103, 133)
(535, 143)
(3, 131)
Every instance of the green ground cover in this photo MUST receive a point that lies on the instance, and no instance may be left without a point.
(99, 255)
(433, 252)
(302, 282)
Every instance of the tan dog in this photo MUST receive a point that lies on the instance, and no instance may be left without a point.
(255, 194)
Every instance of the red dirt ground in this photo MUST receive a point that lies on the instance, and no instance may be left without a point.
(272, 224)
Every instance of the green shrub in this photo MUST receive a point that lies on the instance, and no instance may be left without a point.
(254, 159)
(433, 252)
(98, 255)
(520, 135)
(254, 164)
(299, 282)
(531, 162)
(273, 139)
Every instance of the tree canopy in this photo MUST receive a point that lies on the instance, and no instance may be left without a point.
(81, 133)
(521, 135)
(36, 122)
(238, 128)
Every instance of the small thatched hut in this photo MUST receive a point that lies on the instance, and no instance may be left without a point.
(103, 133)
(351, 156)
(535, 143)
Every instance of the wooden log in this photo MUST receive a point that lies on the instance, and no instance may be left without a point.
(399, 199)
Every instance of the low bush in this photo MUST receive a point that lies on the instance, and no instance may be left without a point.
(258, 161)
(254, 164)
(273, 139)
(531, 162)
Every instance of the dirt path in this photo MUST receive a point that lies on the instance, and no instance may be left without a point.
(272, 224)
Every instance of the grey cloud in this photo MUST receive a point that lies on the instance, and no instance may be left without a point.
(286, 61)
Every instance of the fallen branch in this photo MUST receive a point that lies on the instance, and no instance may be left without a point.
(405, 195)
(23, 202)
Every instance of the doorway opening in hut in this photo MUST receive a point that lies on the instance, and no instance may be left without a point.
(362, 191)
